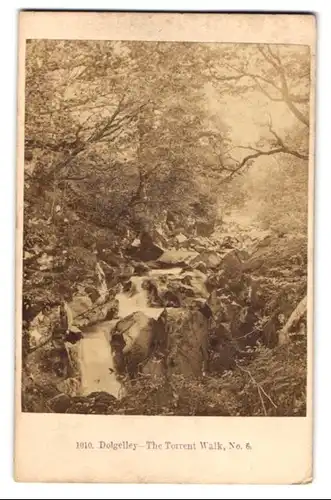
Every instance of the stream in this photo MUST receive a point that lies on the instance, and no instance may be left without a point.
(94, 351)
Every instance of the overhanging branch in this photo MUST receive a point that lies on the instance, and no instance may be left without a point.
(257, 154)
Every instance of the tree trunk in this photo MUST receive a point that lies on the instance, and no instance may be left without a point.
(293, 320)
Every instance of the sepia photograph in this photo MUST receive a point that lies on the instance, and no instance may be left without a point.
(165, 230)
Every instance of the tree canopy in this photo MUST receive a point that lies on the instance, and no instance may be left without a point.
(117, 132)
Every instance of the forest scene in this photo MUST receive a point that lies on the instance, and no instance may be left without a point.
(165, 242)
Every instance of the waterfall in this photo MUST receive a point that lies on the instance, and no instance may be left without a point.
(96, 357)
(136, 299)
(103, 288)
(97, 364)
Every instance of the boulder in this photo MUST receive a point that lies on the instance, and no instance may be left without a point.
(201, 243)
(198, 248)
(78, 310)
(176, 258)
(101, 402)
(243, 255)
(141, 268)
(186, 340)
(176, 290)
(160, 294)
(111, 258)
(136, 243)
(177, 343)
(202, 306)
(210, 258)
(49, 366)
(159, 237)
(227, 241)
(181, 241)
(132, 341)
(201, 266)
(145, 249)
(95, 403)
(81, 311)
(59, 404)
(231, 263)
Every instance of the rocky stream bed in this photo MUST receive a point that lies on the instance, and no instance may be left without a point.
(188, 310)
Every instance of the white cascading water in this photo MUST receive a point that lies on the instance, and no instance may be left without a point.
(102, 289)
(136, 300)
(94, 352)
(96, 359)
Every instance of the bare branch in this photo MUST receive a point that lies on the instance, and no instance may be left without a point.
(285, 90)
(97, 134)
(106, 130)
(265, 80)
(258, 153)
(264, 91)
(268, 57)
(284, 94)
